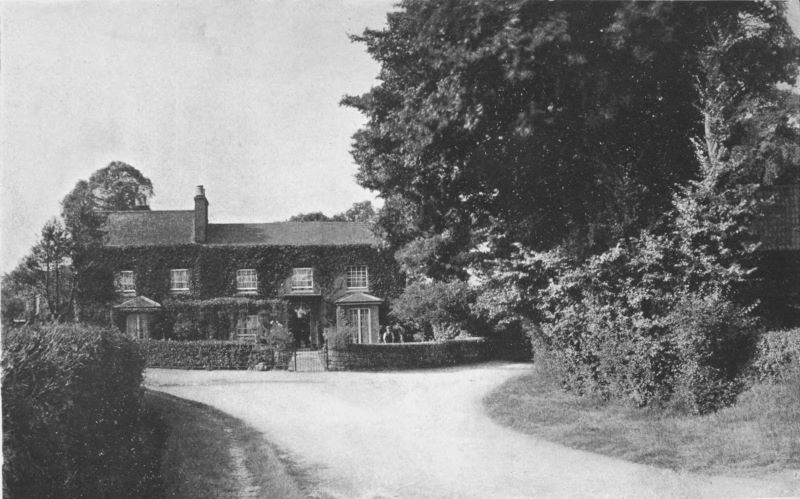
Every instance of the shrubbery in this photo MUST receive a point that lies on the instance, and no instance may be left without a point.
(210, 355)
(777, 356)
(439, 310)
(73, 423)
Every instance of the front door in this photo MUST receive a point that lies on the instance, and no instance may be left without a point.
(300, 327)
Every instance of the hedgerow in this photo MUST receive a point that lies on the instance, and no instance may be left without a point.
(211, 355)
(73, 420)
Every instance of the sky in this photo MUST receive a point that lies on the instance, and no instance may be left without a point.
(239, 96)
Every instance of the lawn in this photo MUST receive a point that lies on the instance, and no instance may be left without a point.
(758, 435)
(208, 454)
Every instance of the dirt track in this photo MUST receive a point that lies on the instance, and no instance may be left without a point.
(424, 434)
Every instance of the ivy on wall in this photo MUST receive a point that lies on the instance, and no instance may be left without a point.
(212, 270)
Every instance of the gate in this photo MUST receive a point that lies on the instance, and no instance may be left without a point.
(309, 360)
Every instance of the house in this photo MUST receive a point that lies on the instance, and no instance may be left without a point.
(176, 275)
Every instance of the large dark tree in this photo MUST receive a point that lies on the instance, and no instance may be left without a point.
(558, 123)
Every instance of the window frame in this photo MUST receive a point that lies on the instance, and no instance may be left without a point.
(310, 279)
(173, 281)
(245, 278)
(363, 317)
(247, 325)
(353, 274)
(126, 286)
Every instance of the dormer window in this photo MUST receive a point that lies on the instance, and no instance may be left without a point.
(357, 277)
(125, 282)
(247, 280)
(303, 279)
(179, 280)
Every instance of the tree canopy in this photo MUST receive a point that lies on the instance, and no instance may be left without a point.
(552, 123)
(118, 186)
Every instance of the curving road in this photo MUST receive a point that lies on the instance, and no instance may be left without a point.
(425, 434)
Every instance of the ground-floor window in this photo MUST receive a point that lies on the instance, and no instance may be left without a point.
(247, 327)
(138, 326)
(359, 318)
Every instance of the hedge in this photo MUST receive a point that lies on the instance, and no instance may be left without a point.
(777, 355)
(410, 355)
(73, 419)
(212, 355)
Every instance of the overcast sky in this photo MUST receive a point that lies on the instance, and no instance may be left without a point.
(240, 96)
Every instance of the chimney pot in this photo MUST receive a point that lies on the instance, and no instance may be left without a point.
(200, 191)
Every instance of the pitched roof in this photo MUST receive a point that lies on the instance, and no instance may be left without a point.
(292, 234)
(149, 228)
(171, 228)
(358, 299)
(141, 302)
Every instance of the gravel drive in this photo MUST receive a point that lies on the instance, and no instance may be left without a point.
(425, 434)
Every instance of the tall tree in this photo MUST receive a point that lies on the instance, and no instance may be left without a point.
(554, 123)
(118, 186)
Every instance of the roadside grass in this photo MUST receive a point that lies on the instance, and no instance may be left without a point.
(208, 454)
(759, 434)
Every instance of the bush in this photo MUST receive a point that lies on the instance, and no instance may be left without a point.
(73, 423)
(340, 338)
(714, 341)
(777, 356)
(436, 307)
(210, 355)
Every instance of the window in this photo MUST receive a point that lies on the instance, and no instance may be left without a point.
(359, 319)
(125, 282)
(303, 279)
(138, 326)
(247, 328)
(357, 277)
(246, 280)
(179, 279)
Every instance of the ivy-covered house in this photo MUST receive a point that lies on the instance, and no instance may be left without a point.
(178, 276)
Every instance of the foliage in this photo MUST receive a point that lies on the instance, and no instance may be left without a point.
(359, 212)
(777, 356)
(72, 415)
(46, 272)
(409, 355)
(555, 123)
(340, 337)
(439, 309)
(215, 318)
(208, 355)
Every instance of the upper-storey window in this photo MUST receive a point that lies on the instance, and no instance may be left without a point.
(246, 280)
(357, 277)
(179, 280)
(303, 279)
(125, 282)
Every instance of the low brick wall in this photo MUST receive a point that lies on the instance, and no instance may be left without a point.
(410, 355)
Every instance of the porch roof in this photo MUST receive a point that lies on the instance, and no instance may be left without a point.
(139, 304)
(359, 299)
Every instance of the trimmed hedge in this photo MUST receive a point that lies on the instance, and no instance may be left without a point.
(73, 419)
(211, 355)
(777, 355)
(410, 355)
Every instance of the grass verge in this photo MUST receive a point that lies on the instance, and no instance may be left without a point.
(209, 454)
(759, 434)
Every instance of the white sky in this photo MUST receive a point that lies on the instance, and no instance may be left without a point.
(240, 96)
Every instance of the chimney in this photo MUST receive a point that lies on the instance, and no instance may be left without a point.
(200, 215)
